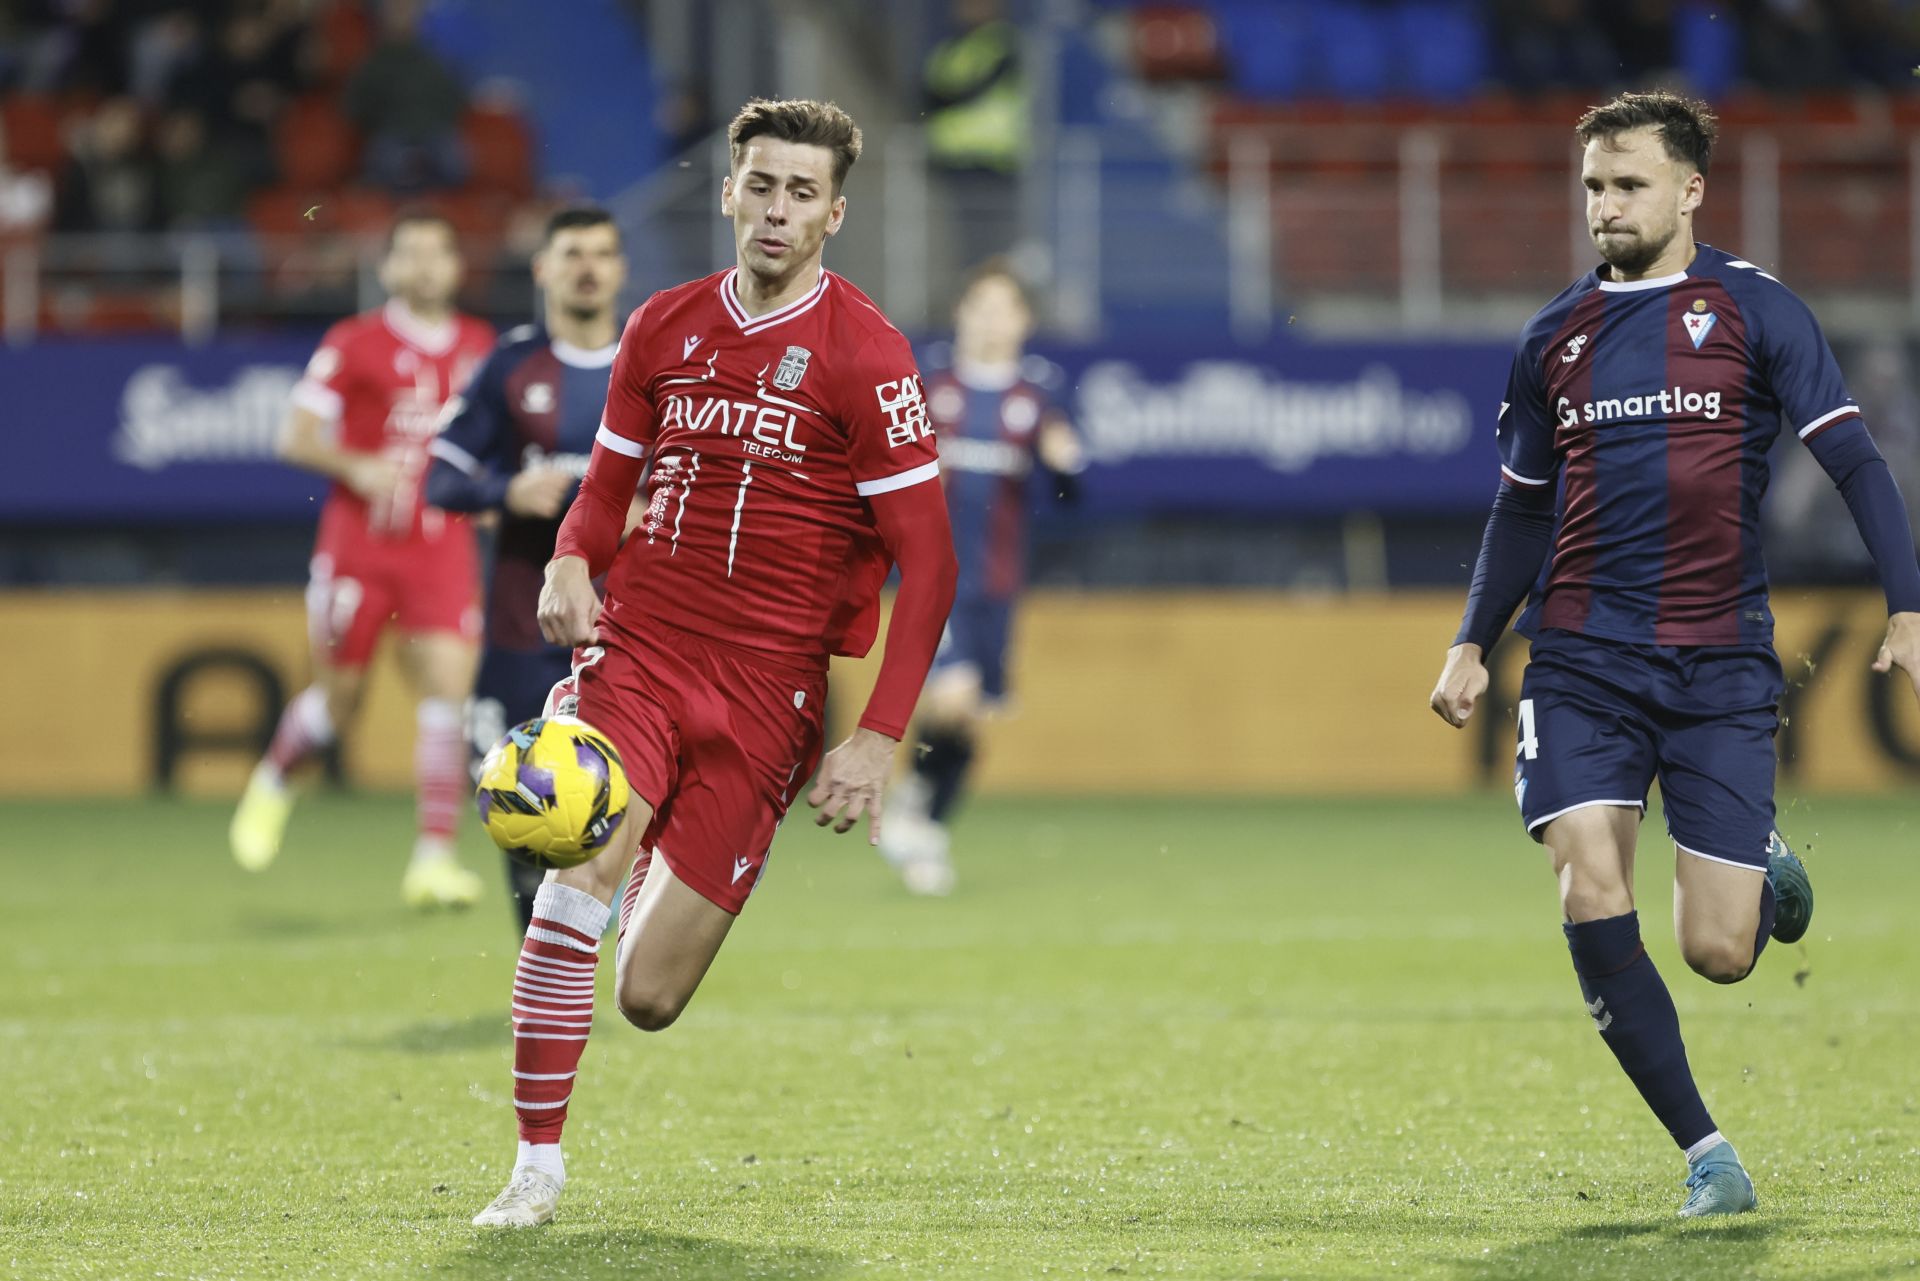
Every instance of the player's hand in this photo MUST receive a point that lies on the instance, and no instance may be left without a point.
(372, 476)
(1462, 681)
(1901, 649)
(851, 780)
(569, 610)
(540, 492)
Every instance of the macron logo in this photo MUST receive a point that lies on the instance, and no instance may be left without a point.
(740, 868)
(687, 345)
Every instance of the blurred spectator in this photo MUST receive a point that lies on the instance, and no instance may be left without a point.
(110, 184)
(90, 47)
(1791, 44)
(978, 119)
(409, 104)
(240, 87)
(203, 185)
(1642, 35)
(1553, 44)
(1877, 40)
(159, 50)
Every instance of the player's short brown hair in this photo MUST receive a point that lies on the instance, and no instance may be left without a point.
(1687, 126)
(572, 216)
(801, 120)
(419, 217)
(998, 267)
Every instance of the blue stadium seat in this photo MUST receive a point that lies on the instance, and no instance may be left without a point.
(1442, 47)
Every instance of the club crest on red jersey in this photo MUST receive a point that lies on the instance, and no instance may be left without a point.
(793, 367)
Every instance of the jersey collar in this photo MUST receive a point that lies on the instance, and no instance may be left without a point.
(435, 340)
(779, 315)
(584, 357)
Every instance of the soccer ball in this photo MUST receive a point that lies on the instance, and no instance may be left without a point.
(552, 792)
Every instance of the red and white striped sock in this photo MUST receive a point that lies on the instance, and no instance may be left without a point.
(553, 1008)
(439, 768)
(305, 727)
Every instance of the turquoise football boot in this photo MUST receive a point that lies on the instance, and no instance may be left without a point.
(1718, 1184)
(1792, 891)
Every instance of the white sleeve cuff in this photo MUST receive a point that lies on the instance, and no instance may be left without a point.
(446, 450)
(1826, 418)
(317, 399)
(619, 444)
(1518, 479)
(899, 480)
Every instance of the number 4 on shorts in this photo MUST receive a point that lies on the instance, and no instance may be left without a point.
(1529, 743)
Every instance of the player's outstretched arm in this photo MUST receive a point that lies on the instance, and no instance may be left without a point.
(913, 523)
(1901, 648)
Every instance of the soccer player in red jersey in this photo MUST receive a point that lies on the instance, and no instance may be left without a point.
(364, 416)
(779, 425)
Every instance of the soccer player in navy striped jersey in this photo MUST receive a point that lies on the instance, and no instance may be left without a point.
(517, 442)
(1633, 446)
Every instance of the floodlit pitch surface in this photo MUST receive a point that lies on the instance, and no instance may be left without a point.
(1145, 1038)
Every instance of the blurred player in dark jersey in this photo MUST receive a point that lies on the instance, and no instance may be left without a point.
(363, 415)
(1633, 447)
(778, 423)
(517, 442)
(996, 412)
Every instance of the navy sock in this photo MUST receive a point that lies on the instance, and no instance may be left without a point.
(944, 759)
(1637, 1020)
(1767, 905)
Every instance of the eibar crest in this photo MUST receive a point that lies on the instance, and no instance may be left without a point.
(793, 367)
(1699, 325)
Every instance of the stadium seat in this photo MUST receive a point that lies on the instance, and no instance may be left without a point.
(346, 38)
(1174, 42)
(32, 132)
(499, 151)
(315, 145)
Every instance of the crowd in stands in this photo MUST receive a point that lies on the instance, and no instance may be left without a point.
(271, 117)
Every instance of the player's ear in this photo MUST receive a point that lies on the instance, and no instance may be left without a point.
(726, 196)
(1694, 192)
(838, 215)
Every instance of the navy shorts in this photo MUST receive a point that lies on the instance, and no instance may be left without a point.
(976, 638)
(512, 687)
(1601, 719)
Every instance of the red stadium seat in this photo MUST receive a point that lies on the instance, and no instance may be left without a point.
(346, 38)
(315, 145)
(32, 125)
(499, 151)
(1176, 42)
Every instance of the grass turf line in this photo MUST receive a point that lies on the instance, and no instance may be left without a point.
(1146, 1038)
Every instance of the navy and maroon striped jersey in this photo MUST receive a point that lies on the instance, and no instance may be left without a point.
(1653, 404)
(536, 402)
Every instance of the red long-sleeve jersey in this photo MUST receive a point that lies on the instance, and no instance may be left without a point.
(789, 463)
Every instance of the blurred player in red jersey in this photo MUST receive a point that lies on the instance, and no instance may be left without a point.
(780, 427)
(364, 416)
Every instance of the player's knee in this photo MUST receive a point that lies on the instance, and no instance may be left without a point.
(649, 1008)
(1723, 960)
(1586, 897)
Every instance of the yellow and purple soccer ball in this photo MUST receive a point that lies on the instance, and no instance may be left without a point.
(552, 792)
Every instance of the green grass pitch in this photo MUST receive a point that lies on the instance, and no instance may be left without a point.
(1146, 1038)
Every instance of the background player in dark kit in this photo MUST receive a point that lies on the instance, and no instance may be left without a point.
(997, 414)
(517, 442)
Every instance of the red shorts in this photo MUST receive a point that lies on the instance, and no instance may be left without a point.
(357, 584)
(718, 745)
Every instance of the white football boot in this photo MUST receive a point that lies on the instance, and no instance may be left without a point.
(527, 1201)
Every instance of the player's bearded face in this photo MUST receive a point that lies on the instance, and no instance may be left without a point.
(1637, 198)
(423, 267)
(782, 204)
(583, 270)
